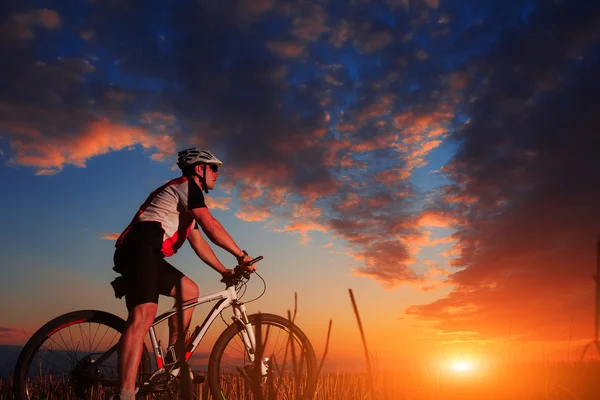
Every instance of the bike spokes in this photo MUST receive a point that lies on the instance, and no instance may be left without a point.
(67, 361)
(280, 366)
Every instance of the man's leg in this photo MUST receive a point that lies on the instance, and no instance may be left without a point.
(131, 344)
(190, 292)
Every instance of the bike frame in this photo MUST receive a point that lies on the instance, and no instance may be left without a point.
(224, 299)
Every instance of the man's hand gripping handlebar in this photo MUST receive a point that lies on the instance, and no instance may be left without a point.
(239, 273)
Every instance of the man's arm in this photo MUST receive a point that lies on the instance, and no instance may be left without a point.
(215, 232)
(203, 250)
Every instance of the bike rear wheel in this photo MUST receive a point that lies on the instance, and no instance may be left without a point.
(73, 356)
(289, 358)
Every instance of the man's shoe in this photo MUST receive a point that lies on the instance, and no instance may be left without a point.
(171, 356)
(118, 396)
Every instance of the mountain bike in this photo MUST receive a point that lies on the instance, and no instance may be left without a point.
(259, 355)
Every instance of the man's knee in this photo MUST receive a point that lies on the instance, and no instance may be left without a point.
(189, 290)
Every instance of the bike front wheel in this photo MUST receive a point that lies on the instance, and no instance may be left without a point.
(285, 368)
(72, 356)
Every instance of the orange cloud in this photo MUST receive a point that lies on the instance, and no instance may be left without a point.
(453, 252)
(465, 199)
(303, 229)
(50, 155)
(287, 49)
(430, 285)
(351, 201)
(372, 42)
(420, 135)
(312, 24)
(436, 271)
(340, 34)
(249, 192)
(249, 11)
(110, 236)
(442, 240)
(20, 25)
(414, 242)
(387, 262)
(411, 124)
(332, 80)
(432, 3)
(331, 150)
(458, 80)
(379, 108)
(277, 196)
(436, 219)
(220, 203)
(250, 213)
(304, 217)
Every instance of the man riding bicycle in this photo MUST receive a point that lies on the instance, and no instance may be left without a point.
(171, 214)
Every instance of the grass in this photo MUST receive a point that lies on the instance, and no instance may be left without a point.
(534, 381)
(508, 382)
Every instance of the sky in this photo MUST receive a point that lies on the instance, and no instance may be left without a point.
(437, 157)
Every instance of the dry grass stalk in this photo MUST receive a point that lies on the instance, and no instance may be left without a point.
(364, 342)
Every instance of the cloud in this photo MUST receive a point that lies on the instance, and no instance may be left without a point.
(20, 26)
(432, 3)
(430, 218)
(287, 49)
(49, 156)
(523, 191)
(371, 39)
(282, 147)
(435, 278)
(322, 116)
(221, 203)
(112, 236)
(387, 262)
(248, 11)
(309, 21)
(12, 335)
(52, 116)
(340, 34)
(7, 330)
(252, 214)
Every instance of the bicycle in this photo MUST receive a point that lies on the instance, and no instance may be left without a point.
(90, 369)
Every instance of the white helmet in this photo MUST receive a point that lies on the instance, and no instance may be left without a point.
(196, 155)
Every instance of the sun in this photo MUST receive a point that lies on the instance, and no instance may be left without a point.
(461, 366)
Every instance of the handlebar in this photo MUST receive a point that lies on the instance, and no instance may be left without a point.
(239, 274)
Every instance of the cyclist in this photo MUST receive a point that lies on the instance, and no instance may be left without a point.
(169, 215)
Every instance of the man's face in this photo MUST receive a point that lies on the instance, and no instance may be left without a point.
(211, 174)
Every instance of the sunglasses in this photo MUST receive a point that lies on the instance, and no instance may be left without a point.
(213, 167)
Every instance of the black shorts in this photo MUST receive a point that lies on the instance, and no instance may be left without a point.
(145, 272)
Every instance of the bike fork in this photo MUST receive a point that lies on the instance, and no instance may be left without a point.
(249, 337)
